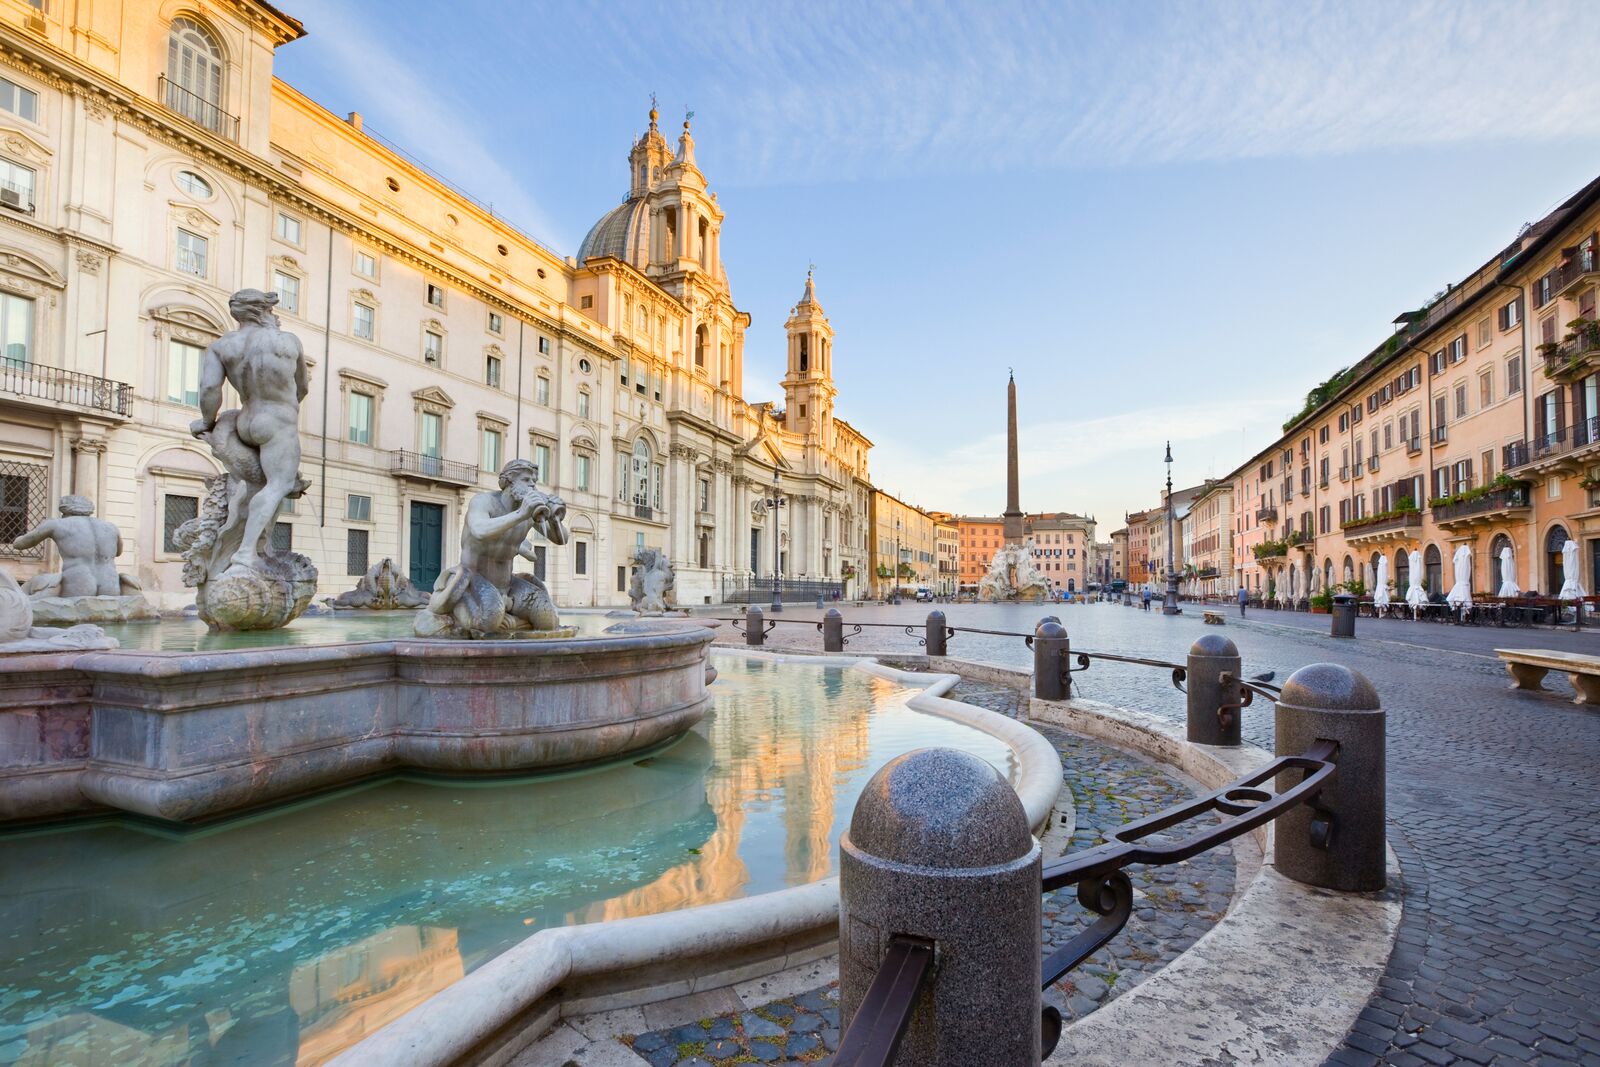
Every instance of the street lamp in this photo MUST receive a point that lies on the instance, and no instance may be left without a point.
(894, 590)
(1169, 606)
(773, 503)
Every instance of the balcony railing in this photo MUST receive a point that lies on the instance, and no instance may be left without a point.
(1382, 524)
(1571, 358)
(1552, 445)
(1267, 514)
(1344, 473)
(1581, 268)
(1413, 445)
(197, 109)
(1503, 499)
(1372, 463)
(643, 511)
(1440, 434)
(56, 386)
(406, 464)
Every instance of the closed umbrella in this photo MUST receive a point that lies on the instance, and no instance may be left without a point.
(1380, 590)
(1508, 574)
(1460, 595)
(1571, 589)
(1416, 595)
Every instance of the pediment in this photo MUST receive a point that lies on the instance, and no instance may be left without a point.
(23, 145)
(433, 396)
(188, 318)
(351, 375)
(194, 216)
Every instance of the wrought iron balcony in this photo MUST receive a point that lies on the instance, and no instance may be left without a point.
(1372, 463)
(52, 385)
(1583, 268)
(1344, 473)
(1266, 514)
(197, 109)
(404, 464)
(1554, 450)
(1576, 358)
(1487, 507)
(1394, 526)
(1413, 446)
(1441, 434)
(1303, 539)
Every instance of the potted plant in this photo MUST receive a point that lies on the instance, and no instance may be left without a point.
(1321, 603)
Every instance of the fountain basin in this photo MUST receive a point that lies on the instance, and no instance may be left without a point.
(186, 737)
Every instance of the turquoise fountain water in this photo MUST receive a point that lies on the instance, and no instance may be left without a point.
(285, 937)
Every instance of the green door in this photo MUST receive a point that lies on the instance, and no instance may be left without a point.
(427, 543)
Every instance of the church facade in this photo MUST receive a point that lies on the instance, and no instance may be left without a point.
(154, 165)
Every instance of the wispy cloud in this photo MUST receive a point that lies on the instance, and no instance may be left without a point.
(430, 117)
(863, 90)
(1093, 464)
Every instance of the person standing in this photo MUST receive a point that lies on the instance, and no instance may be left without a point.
(1244, 599)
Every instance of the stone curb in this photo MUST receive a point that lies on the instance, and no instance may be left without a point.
(1282, 976)
(491, 1014)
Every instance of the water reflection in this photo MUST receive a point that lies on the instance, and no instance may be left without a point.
(283, 938)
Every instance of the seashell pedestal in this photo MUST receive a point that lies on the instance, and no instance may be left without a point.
(244, 598)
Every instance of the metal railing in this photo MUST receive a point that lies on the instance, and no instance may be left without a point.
(197, 109)
(747, 589)
(1512, 496)
(434, 468)
(1558, 442)
(57, 386)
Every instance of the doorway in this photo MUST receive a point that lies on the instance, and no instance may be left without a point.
(427, 543)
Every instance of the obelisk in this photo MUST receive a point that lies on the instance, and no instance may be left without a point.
(1013, 512)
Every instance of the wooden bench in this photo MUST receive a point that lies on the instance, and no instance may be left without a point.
(1528, 666)
(1213, 618)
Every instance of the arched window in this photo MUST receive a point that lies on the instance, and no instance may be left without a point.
(194, 75)
(1496, 572)
(700, 345)
(1432, 570)
(1555, 563)
(805, 354)
(639, 475)
(1402, 571)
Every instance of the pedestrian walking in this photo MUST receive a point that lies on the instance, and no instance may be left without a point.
(1146, 597)
(1244, 599)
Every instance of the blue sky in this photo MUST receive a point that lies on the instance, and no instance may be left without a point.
(1171, 219)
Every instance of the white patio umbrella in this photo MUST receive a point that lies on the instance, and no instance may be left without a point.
(1416, 595)
(1571, 589)
(1460, 595)
(1380, 589)
(1508, 574)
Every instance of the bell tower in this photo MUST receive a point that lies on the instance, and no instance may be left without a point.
(808, 386)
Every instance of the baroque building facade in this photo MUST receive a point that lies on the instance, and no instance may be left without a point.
(154, 165)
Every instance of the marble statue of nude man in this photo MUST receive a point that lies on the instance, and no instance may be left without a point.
(89, 548)
(482, 587)
(259, 443)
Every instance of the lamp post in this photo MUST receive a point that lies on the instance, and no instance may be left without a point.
(773, 503)
(1169, 606)
(894, 590)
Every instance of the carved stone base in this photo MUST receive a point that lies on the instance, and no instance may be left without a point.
(50, 639)
(245, 599)
(72, 610)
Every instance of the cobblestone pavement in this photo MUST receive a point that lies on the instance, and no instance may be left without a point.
(1494, 811)
(1173, 906)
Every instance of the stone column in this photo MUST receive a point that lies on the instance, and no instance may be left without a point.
(86, 453)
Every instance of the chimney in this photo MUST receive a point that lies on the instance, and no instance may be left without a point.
(354, 119)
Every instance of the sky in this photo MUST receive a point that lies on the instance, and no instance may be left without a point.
(1170, 220)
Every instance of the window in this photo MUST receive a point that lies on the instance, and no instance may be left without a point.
(1485, 389)
(366, 264)
(22, 491)
(1439, 411)
(583, 403)
(24, 103)
(432, 434)
(287, 286)
(1511, 314)
(802, 411)
(705, 494)
(1388, 437)
(496, 325)
(584, 365)
(175, 511)
(355, 551)
(189, 182)
(1344, 422)
(541, 390)
(16, 329)
(183, 373)
(624, 367)
(541, 459)
(622, 570)
(288, 228)
(282, 539)
(361, 406)
(435, 295)
(1458, 349)
(583, 472)
(193, 252)
(1487, 473)
(492, 441)
(1513, 375)
(358, 508)
(1322, 436)
(1485, 335)
(363, 322)
(585, 302)
(544, 348)
(432, 348)
(580, 557)
(1461, 400)
(194, 75)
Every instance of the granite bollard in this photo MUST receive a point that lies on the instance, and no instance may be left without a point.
(939, 850)
(1338, 841)
(755, 627)
(934, 634)
(832, 631)
(1051, 656)
(1209, 658)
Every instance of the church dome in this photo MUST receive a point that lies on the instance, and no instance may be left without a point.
(621, 232)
